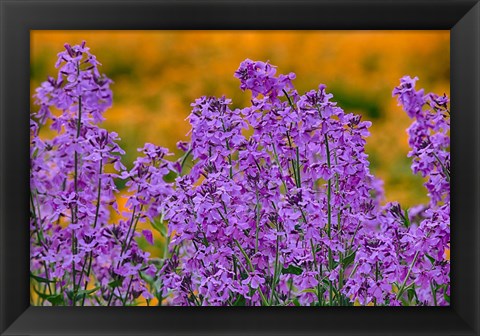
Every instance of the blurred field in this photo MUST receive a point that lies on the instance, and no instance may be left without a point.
(157, 74)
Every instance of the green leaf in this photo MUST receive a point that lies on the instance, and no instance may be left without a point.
(42, 295)
(87, 291)
(292, 270)
(412, 294)
(243, 275)
(146, 278)
(55, 300)
(348, 260)
(326, 282)
(159, 226)
(296, 302)
(115, 283)
(240, 301)
(69, 294)
(445, 295)
(40, 279)
(432, 260)
(405, 302)
(406, 220)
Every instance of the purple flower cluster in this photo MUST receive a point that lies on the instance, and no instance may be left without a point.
(80, 257)
(279, 206)
(290, 214)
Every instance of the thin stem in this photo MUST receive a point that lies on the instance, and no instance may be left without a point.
(434, 293)
(75, 209)
(329, 189)
(298, 180)
(87, 276)
(249, 262)
(444, 169)
(124, 301)
(99, 189)
(41, 242)
(298, 167)
(339, 227)
(126, 244)
(111, 296)
(129, 228)
(288, 98)
(97, 211)
(205, 240)
(257, 228)
(252, 269)
(229, 152)
(402, 287)
(294, 166)
(184, 160)
(275, 156)
(39, 230)
(329, 223)
(319, 276)
(133, 232)
(275, 270)
(75, 182)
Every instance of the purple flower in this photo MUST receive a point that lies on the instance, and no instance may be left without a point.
(278, 208)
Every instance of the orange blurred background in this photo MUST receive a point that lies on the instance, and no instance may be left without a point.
(158, 74)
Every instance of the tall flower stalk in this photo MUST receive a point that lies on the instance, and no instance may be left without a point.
(72, 197)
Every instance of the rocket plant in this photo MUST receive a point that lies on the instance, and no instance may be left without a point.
(276, 206)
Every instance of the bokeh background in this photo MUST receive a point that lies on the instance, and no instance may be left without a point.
(158, 74)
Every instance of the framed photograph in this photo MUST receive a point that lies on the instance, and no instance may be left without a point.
(266, 167)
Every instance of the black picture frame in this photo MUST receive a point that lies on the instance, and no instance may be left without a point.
(18, 17)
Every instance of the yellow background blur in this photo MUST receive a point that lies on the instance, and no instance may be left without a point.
(157, 74)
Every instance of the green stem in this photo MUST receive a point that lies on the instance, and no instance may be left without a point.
(298, 167)
(184, 160)
(133, 232)
(275, 271)
(229, 152)
(294, 165)
(339, 227)
(329, 189)
(87, 276)
(434, 293)
(38, 228)
(329, 223)
(275, 156)
(444, 169)
(97, 211)
(402, 287)
(40, 242)
(319, 276)
(99, 188)
(75, 210)
(126, 244)
(160, 295)
(252, 269)
(257, 228)
(129, 228)
(288, 98)
(249, 262)
(124, 301)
